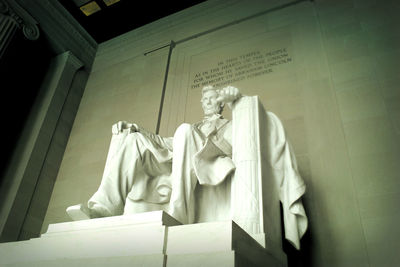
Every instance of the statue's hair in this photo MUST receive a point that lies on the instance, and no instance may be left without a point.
(208, 88)
(212, 88)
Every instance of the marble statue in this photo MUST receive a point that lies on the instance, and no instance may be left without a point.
(245, 166)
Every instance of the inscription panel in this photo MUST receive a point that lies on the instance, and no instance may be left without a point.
(242, 67)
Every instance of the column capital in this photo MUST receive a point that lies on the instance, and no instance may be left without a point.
(24, 20)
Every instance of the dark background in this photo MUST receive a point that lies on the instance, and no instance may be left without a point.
(124, 15)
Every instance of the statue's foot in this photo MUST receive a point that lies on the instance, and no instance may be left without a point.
(78, 212)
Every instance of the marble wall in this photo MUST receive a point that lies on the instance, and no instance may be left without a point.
(327, 68)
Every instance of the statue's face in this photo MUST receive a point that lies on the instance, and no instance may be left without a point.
(209, 103)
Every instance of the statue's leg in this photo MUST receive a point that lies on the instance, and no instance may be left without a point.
(186, 143)
(124, 168)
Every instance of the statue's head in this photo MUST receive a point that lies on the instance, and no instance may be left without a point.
(209, 101)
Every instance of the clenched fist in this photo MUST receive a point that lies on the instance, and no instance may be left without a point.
(228, 94)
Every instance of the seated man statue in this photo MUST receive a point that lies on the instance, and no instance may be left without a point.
(198, 153)
(242, 169)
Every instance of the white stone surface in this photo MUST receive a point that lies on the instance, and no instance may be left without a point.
(198, 243)
(156, 260)
(143, 242)
(207, 237)
(115, 237)
(126, 241)
(148, 218)
(222, 258)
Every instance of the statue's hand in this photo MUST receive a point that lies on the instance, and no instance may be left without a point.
(228, 94)
(120, 126)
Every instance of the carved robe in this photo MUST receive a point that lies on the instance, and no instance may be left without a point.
(145, 167)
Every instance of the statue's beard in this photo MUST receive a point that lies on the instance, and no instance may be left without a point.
(211, 111)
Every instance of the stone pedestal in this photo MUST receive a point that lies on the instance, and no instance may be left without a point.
(215, 244)
(145, 239)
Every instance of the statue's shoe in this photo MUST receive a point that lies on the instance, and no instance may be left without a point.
(78, 212)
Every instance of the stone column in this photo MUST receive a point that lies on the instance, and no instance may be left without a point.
(37, 156)
(13, 17)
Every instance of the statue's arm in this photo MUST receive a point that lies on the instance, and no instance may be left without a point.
(122, 126)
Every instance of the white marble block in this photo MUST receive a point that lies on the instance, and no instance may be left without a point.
(220, 259)
(143, 239)
(215, 244)
(155, 260)
(113, 239)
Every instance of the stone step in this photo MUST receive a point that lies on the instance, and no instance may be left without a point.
(145, 239)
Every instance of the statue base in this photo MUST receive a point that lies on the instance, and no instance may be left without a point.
(143, 239)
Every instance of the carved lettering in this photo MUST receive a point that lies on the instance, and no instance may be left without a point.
(245, 66)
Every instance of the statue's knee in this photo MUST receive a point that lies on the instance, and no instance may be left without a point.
(136, 138)
(135, 135)
(183, 130)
